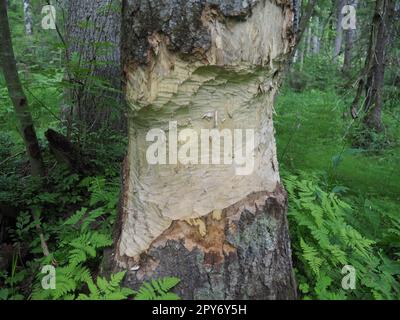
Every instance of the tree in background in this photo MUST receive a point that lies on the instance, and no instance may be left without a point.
(28, 17)
(339, 29)
(372, 78)
(17, 94)
(349, 38)
(92, 39)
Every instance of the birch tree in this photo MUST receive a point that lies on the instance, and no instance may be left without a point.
(17, 95)
(28, 17)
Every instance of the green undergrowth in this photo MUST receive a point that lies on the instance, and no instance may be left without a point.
(343, 200)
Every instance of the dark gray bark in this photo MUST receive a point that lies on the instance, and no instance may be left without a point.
(186, 34)
(372, 78)
(93, 44)
(17, 95)
(376, 76)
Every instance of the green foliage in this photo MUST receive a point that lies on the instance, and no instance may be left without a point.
(79, 241)
(107, 290)
(312, 136)
(75, 242)
(10, 290)
(361, 136)
(324, 242)
(318, 73)
(158, 290)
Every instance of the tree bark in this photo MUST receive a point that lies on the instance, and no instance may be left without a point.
(372, 79)
(309, 38)
(304, 19)
(210, 64)
(17, 94)
(376, 77)
(93, 37)
(339, 29)
(28, 17)
(316, 37)
(349, 37)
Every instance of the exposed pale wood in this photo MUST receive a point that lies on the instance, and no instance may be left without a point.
(228, 63)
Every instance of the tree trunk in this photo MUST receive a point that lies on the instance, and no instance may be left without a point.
(304, 18)
(309, 38)
(339, 29)
(221, 228)
(28, 17)
(17, 95)
(316, 40)
(350, 35)
(301, 58)
(372, 80)
(93, 40)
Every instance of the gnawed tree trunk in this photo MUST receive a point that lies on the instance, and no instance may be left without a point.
(17, 95)
(210, 64)
(93, 48)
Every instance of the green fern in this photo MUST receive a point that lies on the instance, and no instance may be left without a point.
(158, 289)
(107, 290)
(324, 241)
(85, 246)
(68, 279)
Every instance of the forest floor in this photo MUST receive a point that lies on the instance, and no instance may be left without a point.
(313, 135)
(314, 139)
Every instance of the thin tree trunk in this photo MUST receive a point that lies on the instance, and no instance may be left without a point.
(339, 29)
(349, 37)
(28, 17)
(304, 19)
(207, 66)
(316, 40)
(17, 95)
(301, 58)
(309, 41)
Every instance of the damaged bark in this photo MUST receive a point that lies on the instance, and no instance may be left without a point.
(210, 64)
(242, 252)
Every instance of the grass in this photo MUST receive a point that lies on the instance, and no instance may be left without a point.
(311, 134)
(313, 143)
